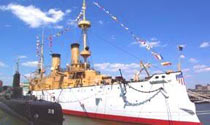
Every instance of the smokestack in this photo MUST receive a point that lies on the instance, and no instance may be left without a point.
(74, 53)
(56, 61)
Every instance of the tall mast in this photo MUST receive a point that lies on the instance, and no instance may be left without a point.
(17, 65)
(42, 53)
(84, 25)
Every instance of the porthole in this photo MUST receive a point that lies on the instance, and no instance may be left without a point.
(156, 77)
(163, 77)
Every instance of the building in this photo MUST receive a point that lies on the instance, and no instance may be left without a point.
(202, 89)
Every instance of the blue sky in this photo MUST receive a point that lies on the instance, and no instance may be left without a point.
(164, 24)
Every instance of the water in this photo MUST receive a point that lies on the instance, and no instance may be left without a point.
(203, 111)
(74, 120)
(7, 119)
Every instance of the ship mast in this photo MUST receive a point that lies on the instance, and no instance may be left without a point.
(84, 25)
(17, 65)
(42, 55)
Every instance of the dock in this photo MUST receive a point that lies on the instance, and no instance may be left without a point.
(197, 97)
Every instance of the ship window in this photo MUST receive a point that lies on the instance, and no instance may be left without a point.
(163, 77)
(156, 77)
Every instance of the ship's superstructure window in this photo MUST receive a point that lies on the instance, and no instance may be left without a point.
(156, 77)
(163, 77)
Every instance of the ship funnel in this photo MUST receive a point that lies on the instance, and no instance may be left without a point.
(56, 61)
(74, 53)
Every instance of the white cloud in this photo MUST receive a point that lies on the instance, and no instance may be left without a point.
(72, 23)
(157, 71)
(153, 42)
(128, 69)
(185, 70)
(22, 57)
(30, 64)
(183, 45)
(68, 11)
(188, 76)
(58, 27)
(114, 67)
(205, 44)
(193, 60)
(7, 80)
(100, 22)
(27, 75)
(182, 56)
(201, 68)
(2, 64)
(33, 16)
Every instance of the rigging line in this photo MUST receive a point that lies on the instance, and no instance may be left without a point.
(157, 67)
(123, 50)
(122, 25)
(143, 42)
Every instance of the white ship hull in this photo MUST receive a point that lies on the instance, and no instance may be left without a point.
(155, 101)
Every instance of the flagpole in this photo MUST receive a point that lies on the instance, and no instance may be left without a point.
(180, 48)
(179, 65)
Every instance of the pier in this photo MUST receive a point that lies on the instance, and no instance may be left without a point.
(197, 97)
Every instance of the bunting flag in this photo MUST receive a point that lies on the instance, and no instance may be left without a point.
(157, 56)
(141, 41)
(148, 47)
(50, 39)
(148, 65)
(60, 33)
(166, 63)
(50, 42)
(38, 45)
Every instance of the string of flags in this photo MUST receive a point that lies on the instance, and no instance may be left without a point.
(141, 41)
(61, 32)
(38, 48)
(52, 36)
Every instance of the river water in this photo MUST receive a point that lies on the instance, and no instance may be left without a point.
(203, 112)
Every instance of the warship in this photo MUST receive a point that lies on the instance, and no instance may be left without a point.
(160, 98)
(28, 108)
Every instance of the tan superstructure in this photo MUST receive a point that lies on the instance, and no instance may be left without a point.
(76, 74)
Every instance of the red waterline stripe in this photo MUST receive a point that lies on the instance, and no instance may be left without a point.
(128, 119)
